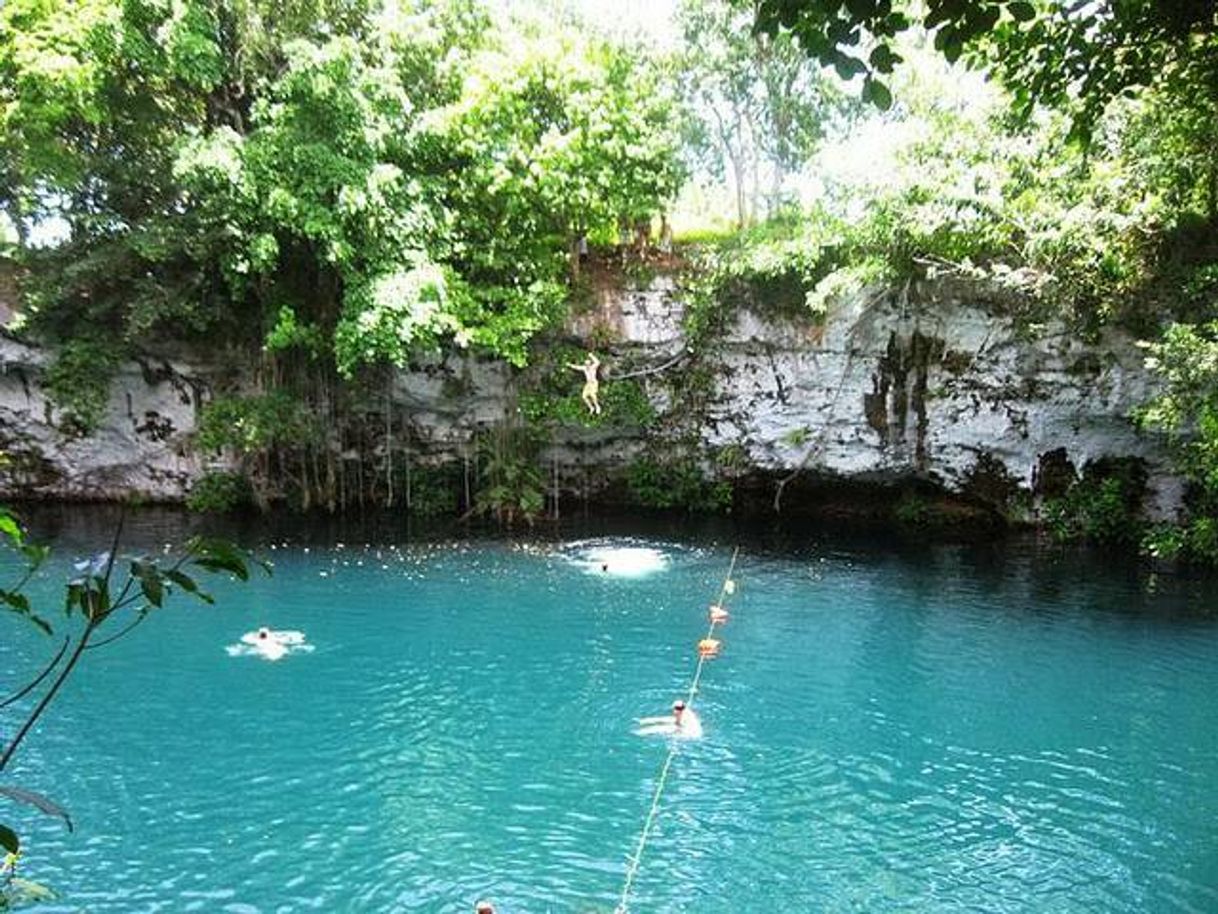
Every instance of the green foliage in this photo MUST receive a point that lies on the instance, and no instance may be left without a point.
(397, 314)
(360, 180)
(1122, 234)
(13, 532)
(511, 486)
(914, 510)
(797, 437)
(1066, 56)
(1186, 359)
(706, 309)
(1194, 540)
(250, 425)
(732, 458)
(1104, 507)
(831, 31)
(1186, 412)
(219, 493)
(679, 483)
(434, 490)
(78, 382)
(773, 268)
(290, 334)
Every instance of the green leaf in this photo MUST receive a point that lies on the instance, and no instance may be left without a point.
(236, 567)
(883, 59)
(75, 598)
(982, 23)
(17, 601)
(221, 555)
(878, 94)
(153, 589)
(848, 67)
(9, 840)
(101, 599)
(10, 528)
(187, 583)
(151, 584)
(1021, 11)
(21, 605)
(35, 554)
(861, 9)
(939, 12)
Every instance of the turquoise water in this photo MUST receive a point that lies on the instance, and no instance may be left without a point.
(950, 730)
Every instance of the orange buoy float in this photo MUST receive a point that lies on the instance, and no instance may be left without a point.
(709, 647)
(718, 615)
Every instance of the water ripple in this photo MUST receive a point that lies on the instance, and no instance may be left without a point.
(879, 737)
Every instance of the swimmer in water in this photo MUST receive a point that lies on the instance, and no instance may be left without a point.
(271, 644)
(683, 723)
(261, 638)
(264, 637)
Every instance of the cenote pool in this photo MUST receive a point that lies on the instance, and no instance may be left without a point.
(931, 729)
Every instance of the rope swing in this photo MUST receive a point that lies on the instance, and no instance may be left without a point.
(708, 648)
(655, 369)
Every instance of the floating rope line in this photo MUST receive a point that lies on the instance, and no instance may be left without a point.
(728, 588)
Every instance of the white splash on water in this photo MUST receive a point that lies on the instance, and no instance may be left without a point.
(274, 645)
(617, 561)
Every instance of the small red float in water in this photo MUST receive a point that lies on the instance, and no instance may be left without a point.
(709, 647)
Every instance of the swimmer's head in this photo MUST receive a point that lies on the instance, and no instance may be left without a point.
(264, 633)
(484, 907)
(604, 566)
(678, 707)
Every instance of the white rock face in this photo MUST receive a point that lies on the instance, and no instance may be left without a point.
(447, 400)
(892, 386)
(142, 447)
(889, 389)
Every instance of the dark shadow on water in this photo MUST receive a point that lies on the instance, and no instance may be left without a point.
(1036, 570)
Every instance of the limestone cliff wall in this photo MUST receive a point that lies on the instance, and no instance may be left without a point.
(142, 447)
(935, 382)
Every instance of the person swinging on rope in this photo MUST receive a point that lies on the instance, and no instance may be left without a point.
(592, 385)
